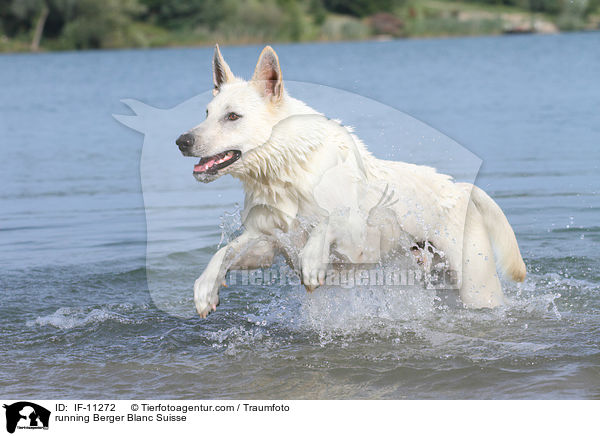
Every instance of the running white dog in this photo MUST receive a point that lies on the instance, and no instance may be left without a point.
(316, 195)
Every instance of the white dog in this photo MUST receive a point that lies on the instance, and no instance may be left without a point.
(316, 195)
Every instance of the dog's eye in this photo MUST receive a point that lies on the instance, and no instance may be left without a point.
(232, 116)
(206, 113)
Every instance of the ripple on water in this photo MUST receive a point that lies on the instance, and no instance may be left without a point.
(66, 318)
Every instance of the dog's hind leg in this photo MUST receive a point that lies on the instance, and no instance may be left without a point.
(480, 285)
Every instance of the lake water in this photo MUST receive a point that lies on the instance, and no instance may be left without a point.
(79, 318)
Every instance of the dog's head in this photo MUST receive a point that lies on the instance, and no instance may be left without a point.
(239, 118)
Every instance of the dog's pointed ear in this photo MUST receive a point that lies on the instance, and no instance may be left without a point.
(267, 75)
(221, 71)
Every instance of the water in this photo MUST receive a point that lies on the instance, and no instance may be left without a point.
(78, 320)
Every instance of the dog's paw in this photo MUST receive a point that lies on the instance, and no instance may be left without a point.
(206, 296)
(314, 272)
(313, 261)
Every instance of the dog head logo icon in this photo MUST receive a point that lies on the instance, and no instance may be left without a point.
(24, 414)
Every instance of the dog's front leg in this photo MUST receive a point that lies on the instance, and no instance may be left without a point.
(206, 287)
(248, 250)
(314, 257)
(339, 230)
(346, 236)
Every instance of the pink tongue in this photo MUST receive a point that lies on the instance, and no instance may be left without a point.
(206, 165)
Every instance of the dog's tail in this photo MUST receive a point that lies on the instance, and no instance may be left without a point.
(504, 242)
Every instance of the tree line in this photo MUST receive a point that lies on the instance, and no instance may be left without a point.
(83, 24)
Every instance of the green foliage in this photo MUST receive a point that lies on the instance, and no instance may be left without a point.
(101, 24)
(177, 14)
(16, 17)
(551, 7)
(74, 23)
(361, 8)
(82, 24)
(341, 27)
(318, 11)
(572, 16)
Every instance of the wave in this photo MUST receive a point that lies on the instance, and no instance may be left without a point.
(66, 318)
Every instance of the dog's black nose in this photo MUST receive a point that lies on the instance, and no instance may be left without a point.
(185, 141)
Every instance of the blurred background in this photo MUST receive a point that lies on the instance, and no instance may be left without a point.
(88, 24)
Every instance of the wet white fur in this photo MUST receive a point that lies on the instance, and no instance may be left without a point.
(299, 166)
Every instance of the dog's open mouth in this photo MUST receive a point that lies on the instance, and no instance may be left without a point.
(212, 164)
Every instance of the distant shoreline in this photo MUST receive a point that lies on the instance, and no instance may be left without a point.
(50, 26)
(316, 41)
